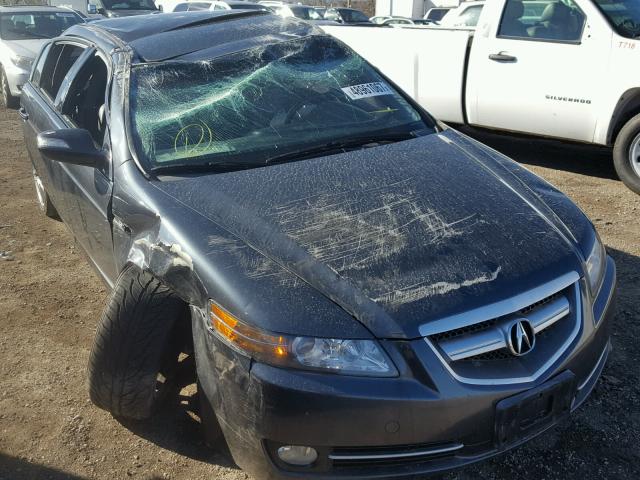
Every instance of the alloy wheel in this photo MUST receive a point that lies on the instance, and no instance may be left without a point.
(634, 155)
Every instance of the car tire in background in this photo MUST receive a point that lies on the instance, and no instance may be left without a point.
(44, 202)
(626, 154)
(134, 359)
(8, 100)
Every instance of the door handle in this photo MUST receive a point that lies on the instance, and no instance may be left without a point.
(23, 114)
(502, 57)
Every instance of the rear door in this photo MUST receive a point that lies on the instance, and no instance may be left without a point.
(538, 69)
(83, 102)
(39, 113)
(71, 91)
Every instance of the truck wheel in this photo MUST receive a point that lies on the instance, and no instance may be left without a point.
(626, 154)
(44, 202)
(8, 100)
(134, 358)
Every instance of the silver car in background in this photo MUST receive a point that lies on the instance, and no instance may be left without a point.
(23, 31)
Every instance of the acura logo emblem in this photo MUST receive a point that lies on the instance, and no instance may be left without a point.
(522, 338)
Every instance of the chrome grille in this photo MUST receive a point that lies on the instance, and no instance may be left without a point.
(476, 347)
(491, 336)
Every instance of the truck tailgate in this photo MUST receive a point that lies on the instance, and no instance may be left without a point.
(427, 63)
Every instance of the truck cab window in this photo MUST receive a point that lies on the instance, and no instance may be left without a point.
(85, 102)
(542, 20)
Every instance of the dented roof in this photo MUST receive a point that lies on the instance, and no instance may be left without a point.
(155, 38)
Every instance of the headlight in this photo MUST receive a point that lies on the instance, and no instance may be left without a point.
(348, 357)
(22, 62)
(596, 262)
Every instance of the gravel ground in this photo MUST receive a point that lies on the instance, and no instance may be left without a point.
(50, 300)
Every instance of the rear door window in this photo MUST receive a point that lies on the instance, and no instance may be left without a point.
(37, 71)
(62, 56)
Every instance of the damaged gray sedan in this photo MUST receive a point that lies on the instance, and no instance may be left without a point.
(366, 293)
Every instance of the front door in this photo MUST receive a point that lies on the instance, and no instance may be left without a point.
(538, 71)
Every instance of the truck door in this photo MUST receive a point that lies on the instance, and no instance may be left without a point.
(538, 68)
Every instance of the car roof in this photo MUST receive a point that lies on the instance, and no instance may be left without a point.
(195, 35)
(29, 8)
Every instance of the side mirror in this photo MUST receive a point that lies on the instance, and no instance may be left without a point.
(92, 9)
(70, 145)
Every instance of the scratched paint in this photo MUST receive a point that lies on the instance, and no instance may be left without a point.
(395, 235)
(419, 291)
(335, 230)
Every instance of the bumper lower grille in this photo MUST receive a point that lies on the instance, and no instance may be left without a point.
(388, 456)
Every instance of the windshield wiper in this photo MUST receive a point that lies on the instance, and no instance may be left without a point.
(335, 146)
(338, 145)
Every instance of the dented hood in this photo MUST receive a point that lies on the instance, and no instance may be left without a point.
(397, 235)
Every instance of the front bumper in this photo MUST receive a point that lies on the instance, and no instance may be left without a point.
(424, 421)
(16, 78)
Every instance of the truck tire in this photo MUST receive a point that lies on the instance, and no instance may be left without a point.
(133, 362)
(626, 154)
(8, 100)
(44, 202)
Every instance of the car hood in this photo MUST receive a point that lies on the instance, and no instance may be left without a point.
(26, 48)
(398, 235)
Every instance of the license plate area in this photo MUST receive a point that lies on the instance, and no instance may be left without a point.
(528, 413)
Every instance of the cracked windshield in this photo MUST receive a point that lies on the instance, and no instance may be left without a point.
(270, 104)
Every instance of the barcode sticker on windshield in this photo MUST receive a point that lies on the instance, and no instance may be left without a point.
(366, 90)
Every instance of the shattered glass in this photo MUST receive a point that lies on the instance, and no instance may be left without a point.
(243, 108)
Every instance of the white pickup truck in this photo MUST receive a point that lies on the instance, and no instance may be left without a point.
(568, 69)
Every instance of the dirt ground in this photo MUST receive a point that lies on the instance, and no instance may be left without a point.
(50, 301)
